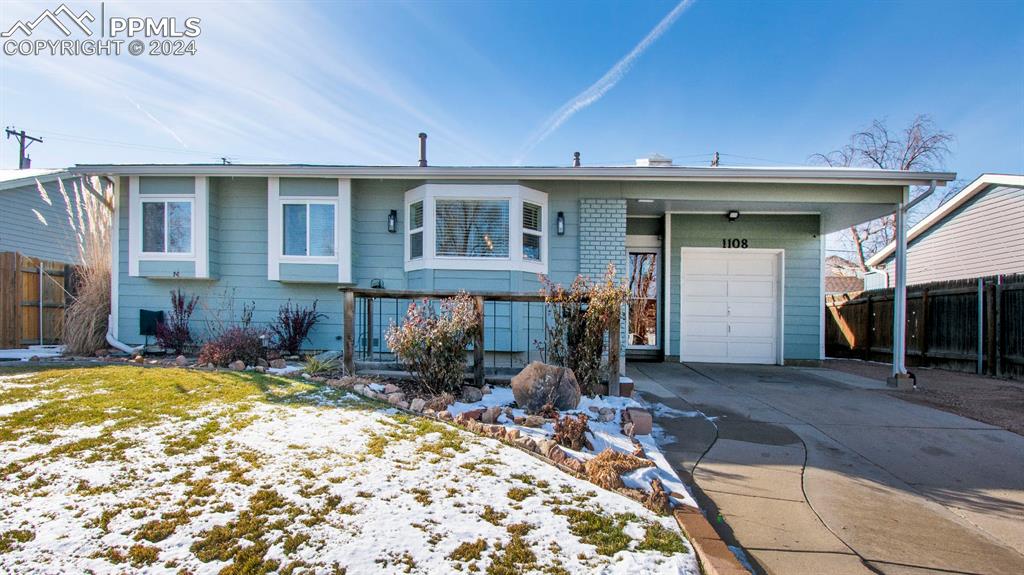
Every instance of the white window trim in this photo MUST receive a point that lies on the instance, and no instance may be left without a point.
(513, 193)
(411, 230)
(199, 250)
(342, 203)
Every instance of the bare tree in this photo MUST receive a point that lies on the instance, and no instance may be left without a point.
(920, 146)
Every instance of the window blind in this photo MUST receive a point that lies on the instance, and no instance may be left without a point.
(472, 228)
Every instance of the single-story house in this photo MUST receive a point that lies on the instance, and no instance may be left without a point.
(36, 224)
(978, 232)
(736, 254)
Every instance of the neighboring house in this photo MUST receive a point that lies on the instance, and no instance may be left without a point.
(842, 276)
(978, 232)
(36, 224)
(737, 252)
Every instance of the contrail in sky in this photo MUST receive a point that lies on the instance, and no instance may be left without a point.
(607, 82)
(165, 127)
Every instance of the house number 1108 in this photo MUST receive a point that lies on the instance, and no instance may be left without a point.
(735, 243)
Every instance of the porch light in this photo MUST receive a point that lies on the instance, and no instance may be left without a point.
(393, 221)
(733, 215)
(560, 224)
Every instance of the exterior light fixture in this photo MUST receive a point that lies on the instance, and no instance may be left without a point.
(560, 224)
(393, 221)
(733, 215)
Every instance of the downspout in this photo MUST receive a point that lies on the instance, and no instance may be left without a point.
(900, 378)
(117, 344)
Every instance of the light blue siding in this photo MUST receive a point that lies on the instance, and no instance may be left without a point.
(309, 273)
(35, 228)
(797, 234)
(321, 187)
(158, 269)
(167, 185)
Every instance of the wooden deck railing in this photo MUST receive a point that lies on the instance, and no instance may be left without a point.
(351, 294)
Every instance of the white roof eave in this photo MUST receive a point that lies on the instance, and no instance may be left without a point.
(625, 173)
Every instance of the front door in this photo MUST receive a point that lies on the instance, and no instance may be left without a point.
(643, 313)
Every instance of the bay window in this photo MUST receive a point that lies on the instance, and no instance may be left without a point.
(476, 226)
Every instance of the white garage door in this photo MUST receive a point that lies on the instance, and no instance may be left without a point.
(731, 304)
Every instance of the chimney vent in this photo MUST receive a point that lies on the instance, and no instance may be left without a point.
(423, 149)
(575, 159)
(654, 161)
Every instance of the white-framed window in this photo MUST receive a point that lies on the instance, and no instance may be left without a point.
(308, 228)
(533, 231)
(416, 230)
(476, 226)
(167, 225)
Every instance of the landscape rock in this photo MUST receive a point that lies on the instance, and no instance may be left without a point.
(402, 405)
(511, 434)
(526, 443)
(490, 415)
(136, 359)
(606, 414)
(557, 455)
(444, 415)
(261, 369)
(471, 415)
(418, 404)
(471, 394)
(396, 398)
(440, 402)
(329, 355)
(533, 421)
(486, 389)
(391, 388)
(262, 363)
(181, 361)
(545, 446)
(237, 365)
(102, 352)
(539, 384)
(574, 464)
(641, 420)
(278, 364)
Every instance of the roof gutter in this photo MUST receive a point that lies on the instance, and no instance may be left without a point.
(593, 173)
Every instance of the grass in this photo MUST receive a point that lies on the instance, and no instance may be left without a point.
(219, 481)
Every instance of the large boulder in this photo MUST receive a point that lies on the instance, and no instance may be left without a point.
(539, 384)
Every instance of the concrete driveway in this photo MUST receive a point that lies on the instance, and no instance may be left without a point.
(816, 471)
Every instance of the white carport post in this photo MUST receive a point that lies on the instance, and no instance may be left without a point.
(900, 378)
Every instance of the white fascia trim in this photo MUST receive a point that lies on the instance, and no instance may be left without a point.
(115, 260)
(667, 290)
(134, 226)
(981, 183)
(201, 226)
(343, 230)
(513, 193)
(274, 227)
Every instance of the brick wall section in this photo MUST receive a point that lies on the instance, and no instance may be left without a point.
(602, 240)
(602, 236)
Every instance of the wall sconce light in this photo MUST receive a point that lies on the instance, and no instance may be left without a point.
(560, 224)
(733, 215)
(393, 221)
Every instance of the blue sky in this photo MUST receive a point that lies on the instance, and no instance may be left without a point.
(760, 82)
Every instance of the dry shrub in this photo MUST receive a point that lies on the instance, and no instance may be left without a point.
(606, 469)
(88, 206)
(236, 343)
(572, 432)
(581, 316)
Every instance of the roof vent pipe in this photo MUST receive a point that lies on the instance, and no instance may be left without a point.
(423, 149)
(575, 159)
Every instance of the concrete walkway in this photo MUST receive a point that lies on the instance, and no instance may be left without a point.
(815, 471)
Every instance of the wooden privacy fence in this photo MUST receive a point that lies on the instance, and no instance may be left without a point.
(33, 296)
(367, 311)
(966, 325)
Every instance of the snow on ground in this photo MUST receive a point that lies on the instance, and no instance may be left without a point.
(605, 435)
(295, 481)
(32, 351)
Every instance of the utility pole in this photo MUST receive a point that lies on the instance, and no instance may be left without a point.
(24, 141)
(714, 161)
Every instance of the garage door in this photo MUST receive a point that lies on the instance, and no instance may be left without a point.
(731, 304)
